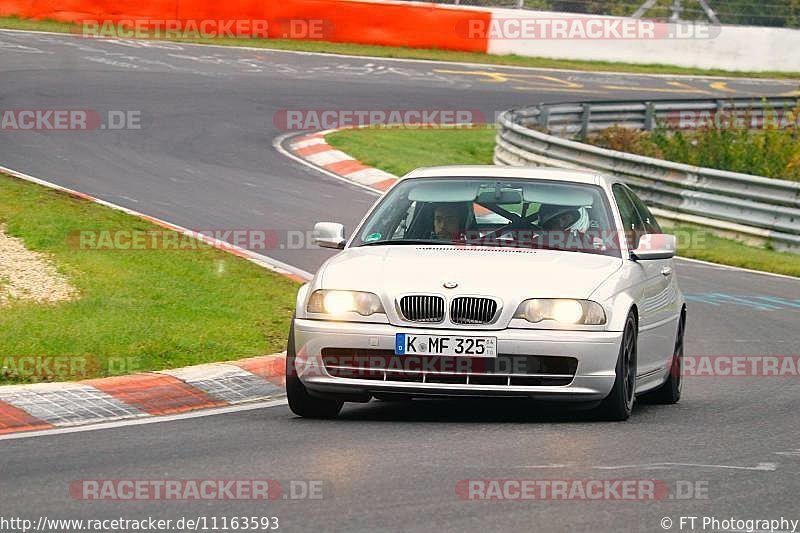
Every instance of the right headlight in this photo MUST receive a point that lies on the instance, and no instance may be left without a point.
(562, 310)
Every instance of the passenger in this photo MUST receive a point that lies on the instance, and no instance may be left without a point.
(560, 219)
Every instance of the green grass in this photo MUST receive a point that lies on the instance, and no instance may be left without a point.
(13, 22)
(17, 23)
(155, 308)
(709, 247)
(401, 150)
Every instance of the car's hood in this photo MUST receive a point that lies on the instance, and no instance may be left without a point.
(507, 273)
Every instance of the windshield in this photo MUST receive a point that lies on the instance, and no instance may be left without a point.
(493, 212)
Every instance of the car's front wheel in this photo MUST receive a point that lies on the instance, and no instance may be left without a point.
(300, 401)
(618, 405)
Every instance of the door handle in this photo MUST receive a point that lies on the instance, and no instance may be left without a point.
(666, 271)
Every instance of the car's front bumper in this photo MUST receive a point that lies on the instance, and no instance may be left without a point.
(596, 353)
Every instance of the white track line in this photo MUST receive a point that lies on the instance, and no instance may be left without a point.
(149, 420)
(788, 81)
(760, 467)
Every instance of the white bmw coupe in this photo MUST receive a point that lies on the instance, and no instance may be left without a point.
(492, 281)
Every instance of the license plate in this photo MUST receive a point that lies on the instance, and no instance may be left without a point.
(411, 344)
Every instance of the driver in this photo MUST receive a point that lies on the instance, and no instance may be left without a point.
(449, 221)
(565, 227)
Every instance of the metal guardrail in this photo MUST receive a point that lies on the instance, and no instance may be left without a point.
(517, 4)
(751, 207)
(584, 118)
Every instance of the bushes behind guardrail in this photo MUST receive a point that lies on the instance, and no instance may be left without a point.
(770, 152)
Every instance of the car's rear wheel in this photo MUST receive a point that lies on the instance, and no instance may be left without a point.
(670, 391)
(618, 405)
(300, 401)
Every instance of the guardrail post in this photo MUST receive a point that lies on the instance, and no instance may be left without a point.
(720, 114)
(585, 118)
(544, 116)
(649, 116)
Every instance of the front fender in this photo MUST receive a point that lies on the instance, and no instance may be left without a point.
(300, 303)
(620, 305)
(619, 294)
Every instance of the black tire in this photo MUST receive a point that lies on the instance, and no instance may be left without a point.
(670, 391)
(300, 401)
(618, 405)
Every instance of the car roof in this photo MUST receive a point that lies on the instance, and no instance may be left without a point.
(500, 171)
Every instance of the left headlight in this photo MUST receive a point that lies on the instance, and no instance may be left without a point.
(565, 311)
(333, 302)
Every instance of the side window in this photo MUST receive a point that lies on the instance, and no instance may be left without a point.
(650, 223)
(632, 224)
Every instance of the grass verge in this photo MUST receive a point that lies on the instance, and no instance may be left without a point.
(17, 23)
(138, 310)
(709, 247)
(400, 150)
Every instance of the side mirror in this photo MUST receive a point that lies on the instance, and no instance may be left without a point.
(654, 246)
(329, 235)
